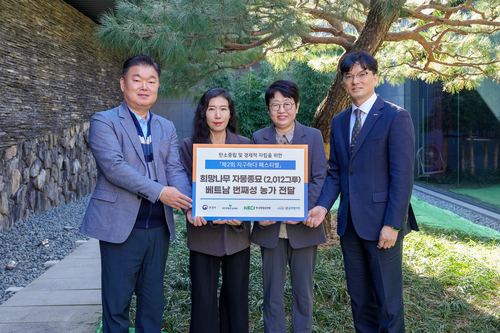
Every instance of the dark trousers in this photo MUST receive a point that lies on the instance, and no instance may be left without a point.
(375, 283)
(302, 263)
(231, 314)
(138, 264)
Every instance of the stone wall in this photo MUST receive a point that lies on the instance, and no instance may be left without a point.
(54, 78)
(45, 172)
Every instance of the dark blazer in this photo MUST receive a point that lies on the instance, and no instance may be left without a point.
(122, 179)
(377, 179)
(299, 235)
(214, 239)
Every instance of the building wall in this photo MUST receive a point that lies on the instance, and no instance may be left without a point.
(180, 111)
(54, 78)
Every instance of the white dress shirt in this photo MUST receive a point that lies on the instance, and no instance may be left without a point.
(365, 109)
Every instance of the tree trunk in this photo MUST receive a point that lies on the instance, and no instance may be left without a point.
(379, 20)
(485, 156)
(471, 155)
(445, 153)
(327, 223)
(463, 159)
(495, 156)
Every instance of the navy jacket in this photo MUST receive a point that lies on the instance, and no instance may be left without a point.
(377, 179)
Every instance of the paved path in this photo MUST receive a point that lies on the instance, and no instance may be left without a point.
(66, 298)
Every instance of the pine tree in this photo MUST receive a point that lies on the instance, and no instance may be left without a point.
(452, 41)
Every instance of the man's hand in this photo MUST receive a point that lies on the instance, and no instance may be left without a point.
(388, 237)
(266, 223)
(172, 197)
(315, 217)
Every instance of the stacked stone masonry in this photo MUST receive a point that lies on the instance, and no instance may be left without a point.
(45, 172)
(54, 78)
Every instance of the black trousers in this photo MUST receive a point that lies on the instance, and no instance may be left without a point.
(375, 283)
(231, 313)
(138, 264)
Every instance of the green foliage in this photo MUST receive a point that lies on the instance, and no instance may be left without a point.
(187, 37)
(249, 88)
(455, 281)
(221, 79)
(194, 39)
(313, 89)
(451, 284)
(465, 57)
(248, 95)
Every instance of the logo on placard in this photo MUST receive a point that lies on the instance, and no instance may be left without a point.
(249, 208)
(205, 207)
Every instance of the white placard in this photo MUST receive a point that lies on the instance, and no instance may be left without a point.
(250, 182)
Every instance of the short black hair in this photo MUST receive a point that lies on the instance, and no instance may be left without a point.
(141, 59)
(363, 58)
(287, 88)
(201, 131)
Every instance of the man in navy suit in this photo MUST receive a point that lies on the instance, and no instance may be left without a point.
(139, 179)
(372, 153)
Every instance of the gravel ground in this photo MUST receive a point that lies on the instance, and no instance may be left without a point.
(460, 211)
(23, 244)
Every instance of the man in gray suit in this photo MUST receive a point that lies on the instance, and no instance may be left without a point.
(372, 152)
(140, 180)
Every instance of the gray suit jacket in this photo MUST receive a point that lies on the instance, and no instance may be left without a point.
(122, 179)
(214, 239)
(299, 235)
(376, 180)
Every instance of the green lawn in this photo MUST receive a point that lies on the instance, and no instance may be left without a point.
(489, 195)
(452, 284)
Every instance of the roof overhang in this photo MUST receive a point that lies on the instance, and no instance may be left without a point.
(92, 8)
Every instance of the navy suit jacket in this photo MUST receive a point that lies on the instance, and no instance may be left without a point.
(299, 235)
(122, 180)
(376, 181)
(215, 239)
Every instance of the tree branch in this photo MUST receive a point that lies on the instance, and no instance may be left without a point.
(445, 9)
(334, 20)
(455, 23)
(418, 14)
(440, 73)
(219, 68)
(306, 38)
(334, 32)
(365, 3)
(258, 33)
(232, 46)
(324, 15)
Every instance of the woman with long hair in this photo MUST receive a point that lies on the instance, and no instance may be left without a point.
(212, 243)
